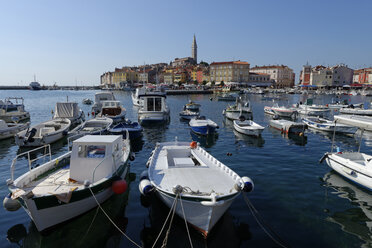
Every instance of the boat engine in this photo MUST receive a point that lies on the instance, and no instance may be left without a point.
(29, 135)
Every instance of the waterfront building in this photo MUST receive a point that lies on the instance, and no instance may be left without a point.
(334, 76)
(260, 79)
(147, 76)
(168, 78)
(282, 75)
(124, 75)
(232, 71)
(106, 80)
(363, 76)
(305, 74)
(180, 77)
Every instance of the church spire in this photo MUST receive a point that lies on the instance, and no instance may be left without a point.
(194, 50)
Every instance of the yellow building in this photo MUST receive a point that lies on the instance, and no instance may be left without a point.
(124, 76)
(232, 71)
(180, 77)
(193, 74)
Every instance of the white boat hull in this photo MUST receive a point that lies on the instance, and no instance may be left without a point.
(234, 115)
(254, 131)
(152, 117)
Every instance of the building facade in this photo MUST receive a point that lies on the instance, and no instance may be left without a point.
(305, 74)
(233, 71)
(282, 75)
(363, 76)
(334, 76)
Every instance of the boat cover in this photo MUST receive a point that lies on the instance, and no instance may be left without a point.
(67, 110)
(362, 122)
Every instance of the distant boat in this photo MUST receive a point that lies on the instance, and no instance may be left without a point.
(188, 115)
(35, 85)
(98, 98)
(192, 106)
(240, 108)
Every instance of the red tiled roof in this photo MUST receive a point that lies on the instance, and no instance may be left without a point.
(230, 62)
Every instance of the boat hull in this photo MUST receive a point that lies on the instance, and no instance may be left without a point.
(327, 127)
(295, 128)
(148, 118)
(234, 115)
(248, 131)
(19, 116)
(203, 130)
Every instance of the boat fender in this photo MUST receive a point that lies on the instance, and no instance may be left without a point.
(10, 204)
(86, 183)
(93, 113)
(248, 185)
(144, 175)
(132, 156)
(145, 187)
(193, 145)
(119, 186)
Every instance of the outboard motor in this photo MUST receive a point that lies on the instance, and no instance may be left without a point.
(241, 118)
(29, 135)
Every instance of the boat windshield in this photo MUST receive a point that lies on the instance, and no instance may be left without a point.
(92, 151)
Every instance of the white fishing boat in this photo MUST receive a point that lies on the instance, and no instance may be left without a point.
(8, 130)
(203, 126)
(44, 133)
(283, 111)
(355, 166)
(192, 106)
(98, 98)
(188, 114)
(240, 108)
(287, 127)
(154, 109)
(248, 127)
(205, 186)
(356, 111)
(69, 110)
(87, 101)
(323, 124)
(113, 110)
(356, 120)
(96, 126)
(135, 96)
(268, 110)
(70, 184)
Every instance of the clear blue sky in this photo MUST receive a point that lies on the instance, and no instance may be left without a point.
(76, 41)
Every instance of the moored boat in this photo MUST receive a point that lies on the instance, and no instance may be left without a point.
(323, 124)
(188, 115)
(96, 126)
(356, 111)
(113, 110)
(187, 173)
(202, 126)
(133, 128)
(283, 111)
(248, 127)
(8, 130)
(154, 109)
(98, 98)
(286, 126)
(240, 108)
(192, 106)
(71, 111)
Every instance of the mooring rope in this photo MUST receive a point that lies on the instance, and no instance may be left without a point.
(108, 217)
(166, 220)
(165, 241)
(90, 226)
(184, 217)
(264, 225)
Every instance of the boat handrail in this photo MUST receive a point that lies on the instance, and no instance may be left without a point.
(12, 166)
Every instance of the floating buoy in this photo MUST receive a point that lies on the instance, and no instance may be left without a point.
(193, 144)
(119, 186)
(10, 204)
(144, 175)
(248, 185)
(92, 113)
(145, 187)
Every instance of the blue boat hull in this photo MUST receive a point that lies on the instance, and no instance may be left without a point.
(203, 130)
(134, 130)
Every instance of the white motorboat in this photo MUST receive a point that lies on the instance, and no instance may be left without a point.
(356, 111)
(268, 110)
(202, 126)
(288, 127)
(154, 109)
(113, 110)
(70, 185)
(312, 109)
(44, 133)
(283, 111)
(87, 101)
(355, 166)
(248, 127)
(13, 112)
(227, 97)
(8, 130)
(240, 108)
(356, 120)
(98, 98)
(188, 114)
(96, 126)
(323, 124)
(69, 110)
(192, 106)
(11, 103)
(205, 186)
(135, 96)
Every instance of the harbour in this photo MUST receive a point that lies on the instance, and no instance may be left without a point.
(306, 203)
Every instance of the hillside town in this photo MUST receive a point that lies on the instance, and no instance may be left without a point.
(188, 70)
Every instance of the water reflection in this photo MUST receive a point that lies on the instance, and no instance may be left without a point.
(5, 146)
(248, 140)
(92, 229)
(346, 139)
(228, 232)
(155, 133)
(358, 219)
(205, 141)
(291, 137)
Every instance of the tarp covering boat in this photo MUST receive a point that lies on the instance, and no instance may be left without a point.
(67, 110)
(362, 122)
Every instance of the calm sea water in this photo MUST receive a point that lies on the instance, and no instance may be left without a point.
(306, 203)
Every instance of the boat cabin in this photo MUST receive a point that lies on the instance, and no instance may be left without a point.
(111, 108)
(103, 96)
(153, 102)
(95, 157)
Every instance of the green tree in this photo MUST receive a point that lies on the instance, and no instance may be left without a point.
(204, 63)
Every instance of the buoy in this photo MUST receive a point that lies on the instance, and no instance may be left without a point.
(119, 186)
(193, 144)
(144, 175)
(92, 113)
(145, 187)
(248, 185)
(10, 204)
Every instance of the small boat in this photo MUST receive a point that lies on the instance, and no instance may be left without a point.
(355, 166)
(268, 110)
(323, 124)
(98, 98)
(11, 103)
(240, 108)
(355, 120)
(288, 127)
(87, 101)
(135, 96)
(248, 127)
(8, 130)
(44, 133)
(188, 115)
(227, 97)
(69, 110)
(71, 184)
(192, 106)
(186, 172)
(356, 111)
(154, 109)
(96, 126)
(113, 110)
(133, 128)
(14, 112)
(202, 126)
(283, 111)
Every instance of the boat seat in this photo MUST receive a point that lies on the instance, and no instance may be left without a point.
(46, 130)
(183, 162)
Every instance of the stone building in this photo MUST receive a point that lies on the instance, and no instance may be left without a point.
(232, 71)
(282, 75)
